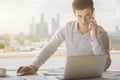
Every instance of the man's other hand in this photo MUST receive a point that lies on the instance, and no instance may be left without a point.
(26, 70)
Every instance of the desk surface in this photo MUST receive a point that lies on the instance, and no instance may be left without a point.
(11, 75)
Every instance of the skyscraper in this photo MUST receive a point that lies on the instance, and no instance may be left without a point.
(55, 25)
(32, 31)
(117, 28)
(42, 28)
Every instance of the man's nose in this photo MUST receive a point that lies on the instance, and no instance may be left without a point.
(84, 20)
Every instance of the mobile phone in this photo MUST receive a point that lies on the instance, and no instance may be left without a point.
(93, 16)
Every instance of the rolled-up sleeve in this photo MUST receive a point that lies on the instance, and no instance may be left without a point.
(50, 48)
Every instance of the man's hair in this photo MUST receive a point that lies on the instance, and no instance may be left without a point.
(82, 4)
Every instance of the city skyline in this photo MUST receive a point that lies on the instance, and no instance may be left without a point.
(16, 15)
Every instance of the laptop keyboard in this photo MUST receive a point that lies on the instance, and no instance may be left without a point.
(25, 78)
(111, 74)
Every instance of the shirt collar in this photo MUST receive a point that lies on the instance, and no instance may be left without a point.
(75, 28)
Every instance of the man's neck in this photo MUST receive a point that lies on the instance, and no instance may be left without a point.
(83, 30)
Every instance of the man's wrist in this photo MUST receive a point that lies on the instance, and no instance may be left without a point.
(33, 67)
(94, 36)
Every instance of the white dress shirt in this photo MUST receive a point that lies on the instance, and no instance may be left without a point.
(76, 43)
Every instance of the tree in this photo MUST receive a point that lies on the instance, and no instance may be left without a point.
(2, 46)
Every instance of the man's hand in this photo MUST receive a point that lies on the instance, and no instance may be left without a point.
(26, 70)
(93, 29)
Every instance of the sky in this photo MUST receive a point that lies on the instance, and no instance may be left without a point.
(16, 15)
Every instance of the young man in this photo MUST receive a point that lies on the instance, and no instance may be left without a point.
(82, 37)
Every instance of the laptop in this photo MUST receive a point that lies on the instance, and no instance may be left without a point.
(89, 66)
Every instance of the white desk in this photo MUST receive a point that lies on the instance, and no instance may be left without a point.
(11, 75)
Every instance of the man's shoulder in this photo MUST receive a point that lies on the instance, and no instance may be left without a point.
(71, 22)
(100, 29)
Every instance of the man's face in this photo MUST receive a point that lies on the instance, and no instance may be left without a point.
(83, 17)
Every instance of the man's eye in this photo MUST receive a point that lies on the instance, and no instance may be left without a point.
(88, 16)
(79, 16)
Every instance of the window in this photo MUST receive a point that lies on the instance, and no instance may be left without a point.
(27, 25)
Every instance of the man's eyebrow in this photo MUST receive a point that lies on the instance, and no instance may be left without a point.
(88, 14)
(79, 15)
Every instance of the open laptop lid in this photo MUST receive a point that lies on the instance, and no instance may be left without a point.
(85, 66)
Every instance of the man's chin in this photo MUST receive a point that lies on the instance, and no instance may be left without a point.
(85, 26)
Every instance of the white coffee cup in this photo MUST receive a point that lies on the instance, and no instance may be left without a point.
(2, 72)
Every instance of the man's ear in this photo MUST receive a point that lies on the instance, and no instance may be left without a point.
(74, 12)
(93, 10)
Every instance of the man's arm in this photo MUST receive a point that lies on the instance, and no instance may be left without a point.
(101, 45)
(50, 48)
(45, 53)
